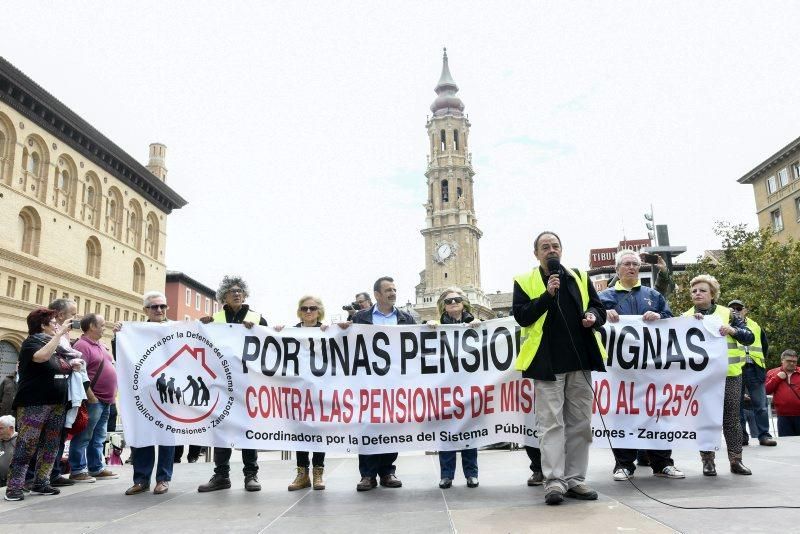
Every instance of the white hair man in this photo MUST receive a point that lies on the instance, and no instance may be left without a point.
(8, 441)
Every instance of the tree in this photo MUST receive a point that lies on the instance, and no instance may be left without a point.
(762, 273)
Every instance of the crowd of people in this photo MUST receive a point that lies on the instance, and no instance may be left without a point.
(67, 388)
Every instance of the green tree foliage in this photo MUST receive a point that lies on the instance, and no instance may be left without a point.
(762, 273)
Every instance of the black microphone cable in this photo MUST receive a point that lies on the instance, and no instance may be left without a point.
(611, 448)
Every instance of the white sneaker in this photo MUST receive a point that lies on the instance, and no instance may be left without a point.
(622, 474)
(670, 472)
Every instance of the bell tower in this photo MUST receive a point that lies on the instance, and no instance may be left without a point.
(452, 256)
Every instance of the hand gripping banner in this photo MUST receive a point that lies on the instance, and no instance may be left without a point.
(374, 389)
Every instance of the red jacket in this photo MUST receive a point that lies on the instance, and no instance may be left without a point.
(786, 396)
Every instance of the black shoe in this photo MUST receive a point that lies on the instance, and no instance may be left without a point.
(536, 479)
(554, 496)
(14, 495)
(217, 482)
(61, 482)
(767, 441)
(472, 482)
(251, 483)
(366, 484)
(445, 483)
(582, 492)
(709, 469)
(738, 468)
(47, 489)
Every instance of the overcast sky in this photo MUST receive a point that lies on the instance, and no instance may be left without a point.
(296, 130)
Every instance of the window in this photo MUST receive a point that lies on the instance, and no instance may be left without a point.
(771, 185)
(53, 295)
(126, 315)
(783, 177)
(87, 307)
(445, 191)
(216, 307)
(777, 220)
(26, 290)
(188, 297)
(455, 139)
(11, 287)
(187, 318)
(796, 169)
(108, 311)
(197, 300)
(93, 255)
(797, 207)
(78, 302)
(116, 315)
(138, 276)
(442, 140)
(208, 305)
(29, 230)
(39, 295)
(151, 236)
(64, 295)
(97, 308)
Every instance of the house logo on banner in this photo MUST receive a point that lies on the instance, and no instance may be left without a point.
(184, 391)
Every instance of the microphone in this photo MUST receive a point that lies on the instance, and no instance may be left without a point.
(554, 267)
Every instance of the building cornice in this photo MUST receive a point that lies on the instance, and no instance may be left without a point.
(777, 157)
(178, 276)
(29, 99)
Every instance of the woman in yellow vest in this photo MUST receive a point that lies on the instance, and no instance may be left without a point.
(705, 291)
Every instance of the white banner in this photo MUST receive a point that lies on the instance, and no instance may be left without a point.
(374, 389)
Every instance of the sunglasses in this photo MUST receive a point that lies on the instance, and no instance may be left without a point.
(454, 300)
(155, 307)
(308, 308)
(737, 308)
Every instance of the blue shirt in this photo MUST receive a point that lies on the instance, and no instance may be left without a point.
(379, 318)
(636, 301)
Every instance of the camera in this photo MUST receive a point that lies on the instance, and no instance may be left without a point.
(352, 307)
(76, 324)
(650, 258)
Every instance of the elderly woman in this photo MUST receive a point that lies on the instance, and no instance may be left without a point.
(40, 402)
(454, 308)
(311, 312)
(705, 291)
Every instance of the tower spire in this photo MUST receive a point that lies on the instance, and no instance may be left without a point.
(447, 103)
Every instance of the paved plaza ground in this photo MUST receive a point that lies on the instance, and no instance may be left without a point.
(502, 503)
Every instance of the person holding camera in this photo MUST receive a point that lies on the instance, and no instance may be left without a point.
(362, 302)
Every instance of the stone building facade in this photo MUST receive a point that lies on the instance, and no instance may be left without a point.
(81, 218)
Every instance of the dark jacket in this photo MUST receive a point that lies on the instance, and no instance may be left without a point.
(8, 389)
(637, 301)
(555, 354)
(365, 316)
(239, 316)
(466, 318)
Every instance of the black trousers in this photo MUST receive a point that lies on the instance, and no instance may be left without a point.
(318, 459)
(658, 459)
(194, 452)
(372, 465)
(535, 456)
(222, 461)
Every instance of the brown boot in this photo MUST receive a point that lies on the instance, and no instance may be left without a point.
(301, 480)
(319, 484)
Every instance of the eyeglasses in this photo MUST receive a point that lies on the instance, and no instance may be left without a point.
(308, 308)
(630, 264)
(155, 307)
(236, 291)
(454, 300)
(737, 308)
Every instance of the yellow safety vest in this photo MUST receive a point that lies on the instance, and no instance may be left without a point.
(250, 317)
(735, 357)
(533, 286)
(755, 350)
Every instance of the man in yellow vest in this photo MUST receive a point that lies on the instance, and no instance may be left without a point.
(560, 311)
(232, 293)
(754, 375)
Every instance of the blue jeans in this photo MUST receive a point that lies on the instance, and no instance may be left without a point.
(789, 425)
(469, 462)
(753, 378)
(145, 457)
(86, 449)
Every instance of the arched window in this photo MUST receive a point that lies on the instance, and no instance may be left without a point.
(8, 139)
(134, 232)
(65, 185)
(455, 139)
(442, 140)
(138, 276)
(445, 191)
(151, 236)
(93, 256)
(30, 230)
(92, 194)
(35, 160)
(114, 213)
